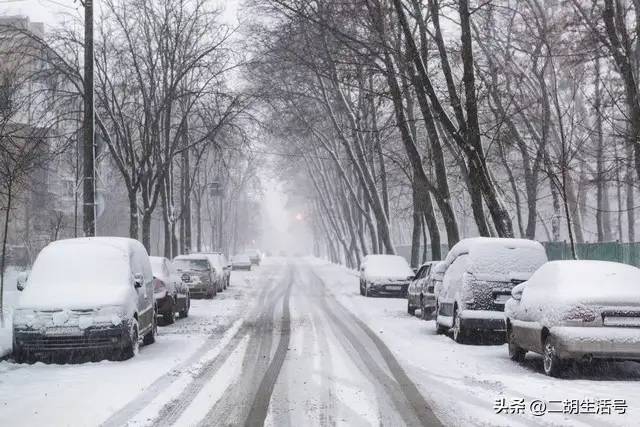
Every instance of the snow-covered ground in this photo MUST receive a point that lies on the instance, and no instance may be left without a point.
(87, 394)
(293, 343)
(463, 382)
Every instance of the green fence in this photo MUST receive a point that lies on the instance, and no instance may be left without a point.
(628, 253)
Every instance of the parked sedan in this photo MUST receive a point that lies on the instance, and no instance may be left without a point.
(241, 262)
(417, 287)
(172, 296)
(385, 275)
(89, 294)
(576, 310)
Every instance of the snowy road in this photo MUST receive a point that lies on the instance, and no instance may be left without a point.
(293, 343)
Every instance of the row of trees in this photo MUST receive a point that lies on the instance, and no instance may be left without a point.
(172, 129)
(497, 118)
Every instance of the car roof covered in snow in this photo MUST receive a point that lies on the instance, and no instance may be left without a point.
(474, 244)
(589, 276)
(492, 258)
(192, 256)
(392, 266)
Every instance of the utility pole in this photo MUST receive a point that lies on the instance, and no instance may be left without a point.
(88, 149)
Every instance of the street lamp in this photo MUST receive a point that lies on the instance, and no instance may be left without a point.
(88, 146)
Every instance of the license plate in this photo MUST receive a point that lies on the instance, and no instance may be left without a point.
(501, 299)
(393, 288)
(63, 330)
(622, 321)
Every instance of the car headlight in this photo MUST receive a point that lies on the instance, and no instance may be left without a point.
(24, 316)
(112, 313)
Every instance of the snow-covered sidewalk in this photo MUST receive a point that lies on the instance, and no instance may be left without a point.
(464, 383)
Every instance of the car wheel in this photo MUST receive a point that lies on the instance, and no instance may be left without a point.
(423, 311)
(133, 346)
(516, 353)
(19, 355)
(169, 315)
(552, 364)
(150, 336)
(361, 290)
(458, 331)
(185, 312)
(410, 310)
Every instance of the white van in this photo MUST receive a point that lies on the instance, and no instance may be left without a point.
(86, 294)
(480, 273)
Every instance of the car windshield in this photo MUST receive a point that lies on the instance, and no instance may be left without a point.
(80, 266)
(388, 266)
(185, 264)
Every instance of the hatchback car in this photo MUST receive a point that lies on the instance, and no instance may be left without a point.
(576, 310)
(385, 275)
(198, 274)
(89, 294)
(417, 288)
(172, 296)
(477, 283)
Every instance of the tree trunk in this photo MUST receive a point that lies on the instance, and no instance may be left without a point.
(4, 249)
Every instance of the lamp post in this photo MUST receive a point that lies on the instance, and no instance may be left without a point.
(88, 146)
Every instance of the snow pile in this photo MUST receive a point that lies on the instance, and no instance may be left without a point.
(387, 267)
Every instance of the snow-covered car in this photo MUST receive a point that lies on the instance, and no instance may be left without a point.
(480, 274)
(171, 295)
(221, 267)
(255, 255)
(576, 310)
(241, 262)
(198, 274)
(86, 294)
(417, 288)
(385, 275)
(433, 288)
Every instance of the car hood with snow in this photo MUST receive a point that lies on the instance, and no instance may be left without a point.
(562, 290)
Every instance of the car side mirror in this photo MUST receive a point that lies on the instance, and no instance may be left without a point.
(138, 280)
(415, 270)
(21, 280)
(517, 291)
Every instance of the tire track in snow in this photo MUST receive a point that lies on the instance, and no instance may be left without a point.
(260, 404)
(402, 386)
(173, 411)
(131, 409)
(237, 404)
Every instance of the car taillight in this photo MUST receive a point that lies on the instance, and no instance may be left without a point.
(158, 286)
(583, 314)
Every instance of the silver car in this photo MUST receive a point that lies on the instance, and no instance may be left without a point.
(576, 310)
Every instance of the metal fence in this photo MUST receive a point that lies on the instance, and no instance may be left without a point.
(628, 253)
